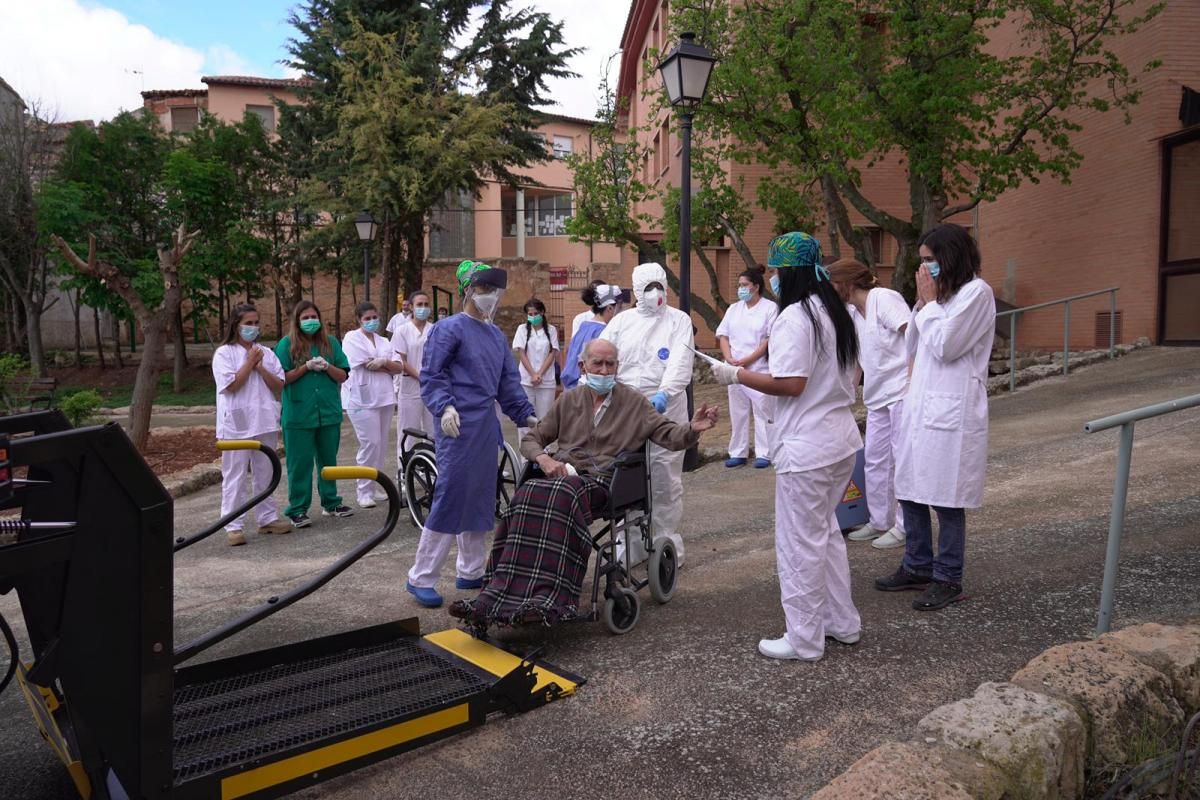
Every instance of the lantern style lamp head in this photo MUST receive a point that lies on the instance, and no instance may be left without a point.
(685, 72)
(365, 224)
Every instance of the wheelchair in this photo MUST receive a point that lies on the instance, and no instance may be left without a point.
(628, 526)
(418, 474)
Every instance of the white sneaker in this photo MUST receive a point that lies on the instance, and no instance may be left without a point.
(864, 533)
(368, 503)
(779, 648)
(893, 538)
(848, 639)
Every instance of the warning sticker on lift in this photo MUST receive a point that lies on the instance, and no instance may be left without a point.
(852, 493)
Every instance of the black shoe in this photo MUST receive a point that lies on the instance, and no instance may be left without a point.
(300, 520)
(938, 595)
(340, 511)
(901, 580)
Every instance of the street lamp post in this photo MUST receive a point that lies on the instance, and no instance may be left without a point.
(685, 72)
(365, 224)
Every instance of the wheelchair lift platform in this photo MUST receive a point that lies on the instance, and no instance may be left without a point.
(129, 720)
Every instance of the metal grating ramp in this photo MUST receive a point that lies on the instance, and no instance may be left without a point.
(234, 720)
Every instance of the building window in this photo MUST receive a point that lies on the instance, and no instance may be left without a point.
(185, 120)
(666, 147)
(265, 114)
(563, 146)
(545, 215)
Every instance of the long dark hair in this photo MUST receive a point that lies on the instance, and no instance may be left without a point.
(301, 343)
(588, 296)
(755, 276)
(232, 334)
(956, 253)
(533, 302)
(798, 285)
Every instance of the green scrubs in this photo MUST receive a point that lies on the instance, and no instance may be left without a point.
(312, 428)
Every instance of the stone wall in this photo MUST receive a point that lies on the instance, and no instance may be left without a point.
(1077, 709)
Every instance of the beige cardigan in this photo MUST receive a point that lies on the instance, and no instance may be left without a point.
(626, 425)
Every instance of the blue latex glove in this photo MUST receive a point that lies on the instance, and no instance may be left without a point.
(659, 401)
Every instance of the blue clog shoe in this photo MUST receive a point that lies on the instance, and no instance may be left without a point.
(468, 583)
(425, 596)
(735, 462)
(762, 463)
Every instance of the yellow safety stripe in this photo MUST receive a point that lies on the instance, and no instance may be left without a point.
(264, 777)
(238, 444)
(493, 659)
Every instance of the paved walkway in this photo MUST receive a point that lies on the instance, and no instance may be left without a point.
(684, 706)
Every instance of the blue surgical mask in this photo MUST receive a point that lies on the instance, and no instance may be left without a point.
(601, 383)
(934, 268)
(248, 332)
(371, 325)
(421, 313)
(744, 294)
(775, 285)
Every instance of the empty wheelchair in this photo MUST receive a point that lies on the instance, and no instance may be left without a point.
(418, 474)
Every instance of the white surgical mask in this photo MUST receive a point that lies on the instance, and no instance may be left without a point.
(486, 303)
(744, 294)
(653, 298)
(248, 332)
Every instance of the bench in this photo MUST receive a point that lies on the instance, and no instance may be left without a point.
(38, 394)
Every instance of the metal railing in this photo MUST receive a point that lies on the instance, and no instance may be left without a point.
(1116, 520)
(1066, 304)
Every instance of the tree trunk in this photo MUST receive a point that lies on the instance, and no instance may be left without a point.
(99, 338)
(180, 352)
(37, 354)
(278, 314)
(337, 305)
(146, 384)
(904, 278)
(414, 259)
(116, 334)
(75, 310)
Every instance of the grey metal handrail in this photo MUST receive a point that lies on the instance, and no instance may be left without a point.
(1116, 520)
(1066, 304)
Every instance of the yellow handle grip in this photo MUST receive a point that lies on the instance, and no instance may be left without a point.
(349, 473)
(238, 444)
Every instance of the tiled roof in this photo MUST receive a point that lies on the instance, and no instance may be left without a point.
(250, 80)
(564, 118)
(163, 94)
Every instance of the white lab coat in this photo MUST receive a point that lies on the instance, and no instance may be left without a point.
(746, 327)
(654, 350)
(941, 457)
(370, 401)
(408, 345)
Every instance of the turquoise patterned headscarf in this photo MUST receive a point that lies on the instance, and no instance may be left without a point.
(796, 249)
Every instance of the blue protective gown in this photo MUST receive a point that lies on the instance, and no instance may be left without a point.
(587, 331)
(467, 364)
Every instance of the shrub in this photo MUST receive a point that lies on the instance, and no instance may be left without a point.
(80, 407)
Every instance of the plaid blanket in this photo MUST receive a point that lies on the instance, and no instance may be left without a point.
(539, 556)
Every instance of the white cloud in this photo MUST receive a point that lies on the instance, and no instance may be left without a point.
(595, 25)
(85, 61)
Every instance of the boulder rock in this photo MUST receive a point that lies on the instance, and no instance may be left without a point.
(1037, 741)
(1121, 699)
(1172, 650)
(914, 771)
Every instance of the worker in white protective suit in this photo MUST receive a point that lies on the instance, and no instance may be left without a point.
(655, 344)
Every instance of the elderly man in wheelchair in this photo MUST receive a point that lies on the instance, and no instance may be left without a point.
(586, 462)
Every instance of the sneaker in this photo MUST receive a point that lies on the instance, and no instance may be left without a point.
(865, 533)
(735, 462)
(468, 583)
(235, 538)
(901, 580)
(426, 596)
(851, 638)
(370, 503)
(893, 538)
(939, 595)
(779, 648)
(762, 463)
(340, 511)
(276, 526)
(300, 520)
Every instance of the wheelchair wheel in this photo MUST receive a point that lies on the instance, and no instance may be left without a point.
(662, 570)
(420, 476)
(507, 474)
(622, 611)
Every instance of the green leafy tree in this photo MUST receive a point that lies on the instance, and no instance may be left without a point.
(823, 91)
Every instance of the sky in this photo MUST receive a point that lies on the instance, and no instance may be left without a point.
(90, 59)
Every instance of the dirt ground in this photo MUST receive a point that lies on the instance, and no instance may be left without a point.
(177, 450)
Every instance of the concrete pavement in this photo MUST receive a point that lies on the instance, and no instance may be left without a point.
(684, 706)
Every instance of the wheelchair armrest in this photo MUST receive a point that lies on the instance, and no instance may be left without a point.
(628, 486)
(630, 460)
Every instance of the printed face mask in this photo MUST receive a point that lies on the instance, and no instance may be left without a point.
(248, 332)
(744, 294)
(421, 313)
(601, 383)
(310, 326)
(371, 325)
